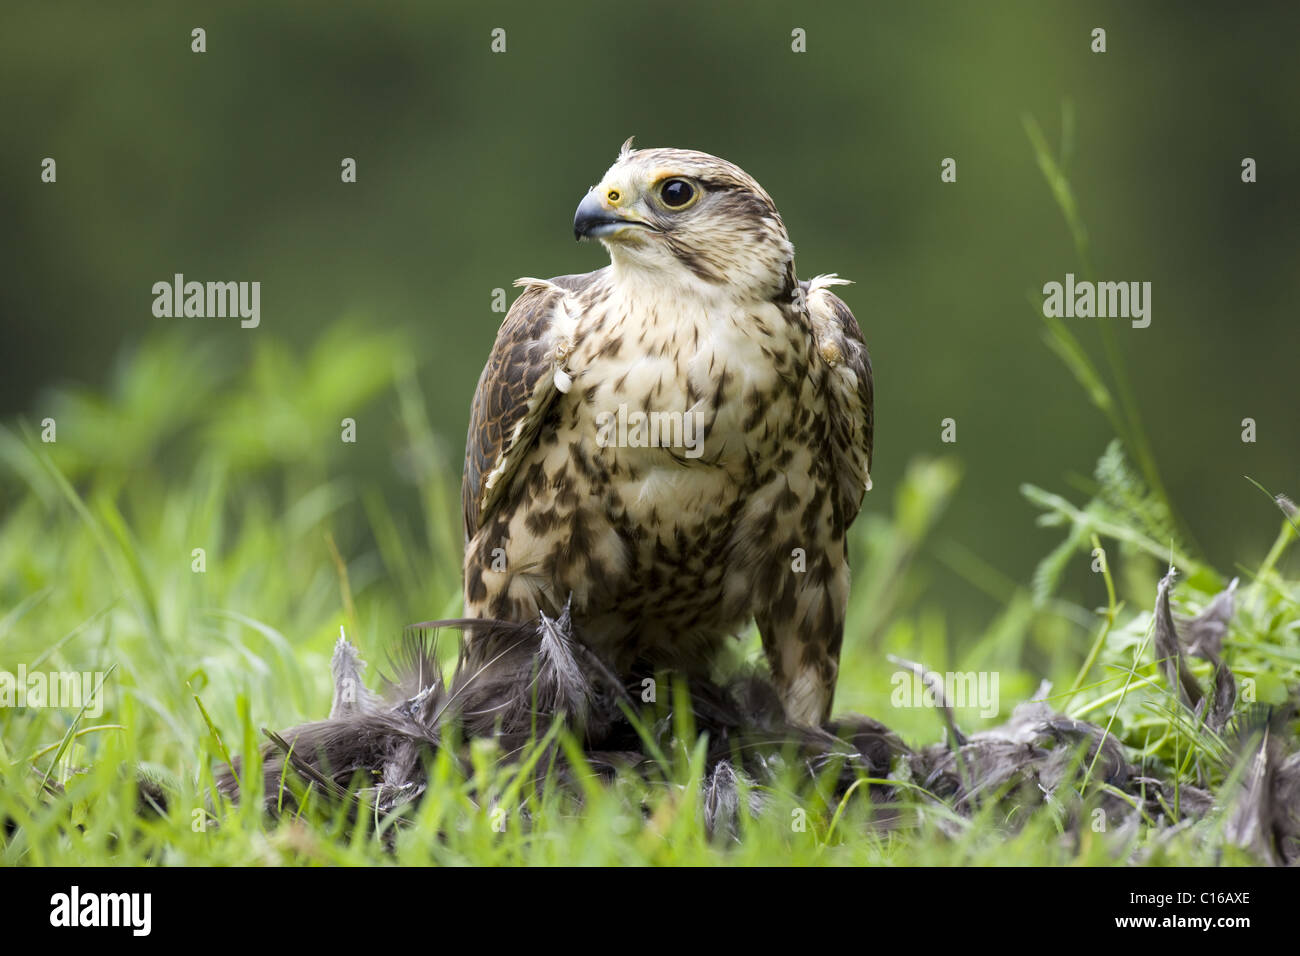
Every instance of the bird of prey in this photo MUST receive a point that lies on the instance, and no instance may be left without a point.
(675, 443)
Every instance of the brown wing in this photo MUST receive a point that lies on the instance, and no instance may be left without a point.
(852, 416)
(517, 387)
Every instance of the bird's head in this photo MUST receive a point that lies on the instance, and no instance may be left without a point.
(678, 214)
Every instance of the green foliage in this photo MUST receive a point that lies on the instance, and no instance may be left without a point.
(302, 533)
(97, 574)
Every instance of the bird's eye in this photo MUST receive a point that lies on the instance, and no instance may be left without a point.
(676, 193)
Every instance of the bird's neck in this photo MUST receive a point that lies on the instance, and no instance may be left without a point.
(674, 287)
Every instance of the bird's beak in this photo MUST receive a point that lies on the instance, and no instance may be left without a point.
(595, 219)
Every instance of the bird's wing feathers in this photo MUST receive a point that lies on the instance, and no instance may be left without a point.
(526, 371)
(523, 375)
(852, 417)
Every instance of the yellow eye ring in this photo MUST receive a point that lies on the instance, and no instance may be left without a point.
(676, 194)
(612, 195)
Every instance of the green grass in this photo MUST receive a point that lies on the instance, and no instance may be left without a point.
(303, 534)
(97, 574)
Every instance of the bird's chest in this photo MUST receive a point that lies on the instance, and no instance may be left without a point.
(682, 407)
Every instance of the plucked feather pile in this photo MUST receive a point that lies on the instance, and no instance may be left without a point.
(373, 751)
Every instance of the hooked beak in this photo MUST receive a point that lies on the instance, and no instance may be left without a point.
(596, 220)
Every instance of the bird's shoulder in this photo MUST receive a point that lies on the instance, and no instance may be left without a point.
(851, 388)
(523, 374)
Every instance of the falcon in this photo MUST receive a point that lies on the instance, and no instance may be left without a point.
(742, 453)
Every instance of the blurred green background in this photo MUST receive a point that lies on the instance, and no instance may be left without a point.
(225, 166)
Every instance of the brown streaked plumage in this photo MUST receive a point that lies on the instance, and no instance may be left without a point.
(668, 547)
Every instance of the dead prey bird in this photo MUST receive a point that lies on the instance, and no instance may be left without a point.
(373, 753)
(679, 440)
